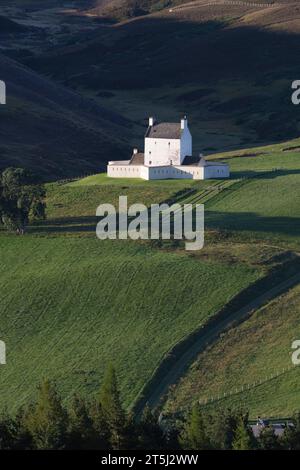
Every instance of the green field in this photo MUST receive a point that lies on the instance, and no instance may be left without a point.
(69, 306)
(266, 203)
(71, 303)
(252, 352)
(262, 208)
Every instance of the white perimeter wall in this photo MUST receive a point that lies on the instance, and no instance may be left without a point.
(168, 172)
(216, 171)
(176, 172)
(124, 171)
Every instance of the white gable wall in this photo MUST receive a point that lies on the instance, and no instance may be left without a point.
(162, 151)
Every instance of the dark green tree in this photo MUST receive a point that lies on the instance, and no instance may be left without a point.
(112, 408)
(221, 426)
(193, 435)
(81, 433)
(101, 430)
(22, 438)
(8, 432)
(243, 436)
(21, 197)
(47, 420)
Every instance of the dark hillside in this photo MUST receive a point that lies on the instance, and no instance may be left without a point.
(60, 133)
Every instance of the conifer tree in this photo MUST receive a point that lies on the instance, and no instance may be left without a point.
(243, 437)
(112, 408)
(101, 431)
(80, 431)
(23, 438)
(47, 419)
(193, 436)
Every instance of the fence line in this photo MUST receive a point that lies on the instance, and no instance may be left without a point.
(246, 387)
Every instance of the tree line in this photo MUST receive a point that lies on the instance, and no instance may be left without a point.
(103, 424)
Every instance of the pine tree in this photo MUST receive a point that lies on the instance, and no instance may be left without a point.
(46, 420)
(193, 436)
(243, 437)
(80, 431)
(221, 426)
(23, 438)
(112, 408)
(101, 431)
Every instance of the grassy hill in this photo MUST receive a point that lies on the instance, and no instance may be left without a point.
(265, 207)
(246, 355)
(70, 303)
(69, 306)
(54, 131)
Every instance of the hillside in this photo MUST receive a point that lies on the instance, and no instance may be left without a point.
(124, 9)
(233, 79)
(54, 131)
(265, 208)
(80, 303)
(70, 303)
(246, 355)
(7, 26)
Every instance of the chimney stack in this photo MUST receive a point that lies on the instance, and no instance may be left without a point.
(151, 121)
(183, 123)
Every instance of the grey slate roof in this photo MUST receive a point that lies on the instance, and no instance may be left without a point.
(137, 159)
(164, 130)
(191, 160)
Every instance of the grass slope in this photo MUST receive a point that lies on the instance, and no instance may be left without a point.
(71, 303)
(266, 202)
(69, 306)
(253, 351)
(262, 207)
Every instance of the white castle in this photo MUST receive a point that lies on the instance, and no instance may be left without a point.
(167, 154)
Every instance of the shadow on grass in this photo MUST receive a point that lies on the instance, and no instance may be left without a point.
(269, 174)
(253, 222)
(232, 221)
(65, 225)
